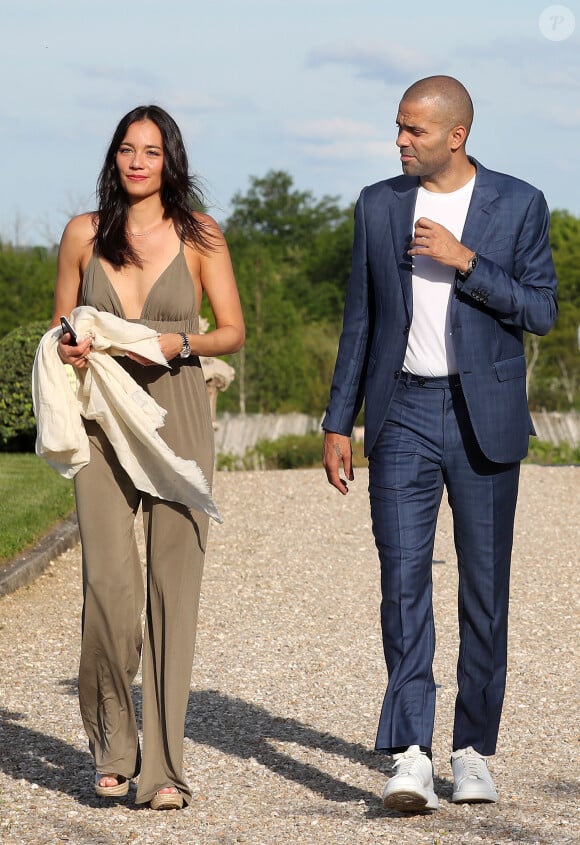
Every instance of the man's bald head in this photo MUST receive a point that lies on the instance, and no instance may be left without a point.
(450, 99)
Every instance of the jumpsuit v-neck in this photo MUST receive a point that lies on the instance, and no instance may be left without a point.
(175, 539)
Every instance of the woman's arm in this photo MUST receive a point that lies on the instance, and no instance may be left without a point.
(219, 284)
(75, 241)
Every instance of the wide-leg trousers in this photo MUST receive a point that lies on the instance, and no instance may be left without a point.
(112, 641)
(427, 443)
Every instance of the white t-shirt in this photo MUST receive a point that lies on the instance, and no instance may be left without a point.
(430, 348)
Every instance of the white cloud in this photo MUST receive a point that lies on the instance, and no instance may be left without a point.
(348, 150)
(116, 74)
(196, 103)
(560, 80)
(534, 62)
(389, 63)
(340, 139)
(565, 117)
(332, 127)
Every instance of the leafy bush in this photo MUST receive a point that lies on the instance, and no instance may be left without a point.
(290, 452)
(227, 462)
(546, 453)
(17, 423)
(293, 452)
(26, 285)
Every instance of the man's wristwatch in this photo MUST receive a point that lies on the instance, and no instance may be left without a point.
(186, 350)
(471, 265)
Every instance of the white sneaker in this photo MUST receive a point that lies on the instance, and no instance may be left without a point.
(472, 781)
(410, 789)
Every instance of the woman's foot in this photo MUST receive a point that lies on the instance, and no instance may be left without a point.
(168, 798)
(111, 785)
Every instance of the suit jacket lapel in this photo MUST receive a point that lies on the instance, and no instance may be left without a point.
(399, 214)
(402, 212)
(480, 210)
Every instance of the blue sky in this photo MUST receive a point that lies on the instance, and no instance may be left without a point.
(308, 86)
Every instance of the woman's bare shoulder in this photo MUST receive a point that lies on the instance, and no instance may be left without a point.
(76, 244)
(211, 229)
(202, 217)
(81, 228)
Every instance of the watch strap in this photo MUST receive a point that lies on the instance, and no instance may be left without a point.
(471, 265)
(186, 350)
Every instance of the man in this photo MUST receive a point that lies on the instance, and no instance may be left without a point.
(451, 263)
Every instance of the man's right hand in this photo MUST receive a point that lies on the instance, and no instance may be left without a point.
(337, 450)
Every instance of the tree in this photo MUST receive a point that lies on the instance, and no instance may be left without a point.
(291, 274)
(565, 242)
(27, 279)
(554, 360)
(275, 213)
(292, 256)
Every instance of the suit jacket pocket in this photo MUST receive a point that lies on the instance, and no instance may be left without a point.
(511, 368)
(499, 245)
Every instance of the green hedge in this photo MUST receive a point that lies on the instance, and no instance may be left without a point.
(17, 423)
(548, 454)
(290, 452)
(294, 452)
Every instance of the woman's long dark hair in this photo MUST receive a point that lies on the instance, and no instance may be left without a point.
(180, 195)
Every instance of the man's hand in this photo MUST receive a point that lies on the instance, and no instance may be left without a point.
(437, 242)
(337, 450)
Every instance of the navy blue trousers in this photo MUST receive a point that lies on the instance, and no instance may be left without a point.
(427, 443)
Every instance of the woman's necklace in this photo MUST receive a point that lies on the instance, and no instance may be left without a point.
(144, 234)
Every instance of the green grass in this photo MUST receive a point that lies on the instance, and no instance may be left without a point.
(33, 498)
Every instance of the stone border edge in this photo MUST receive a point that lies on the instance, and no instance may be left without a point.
(24, 569)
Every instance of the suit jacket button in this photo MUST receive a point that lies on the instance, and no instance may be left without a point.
(406, 330)
(397, 373)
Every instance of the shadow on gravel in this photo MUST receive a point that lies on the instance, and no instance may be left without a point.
(244, 730)
(231, 725)
(40, 759)
(44, 760)
(239, 728)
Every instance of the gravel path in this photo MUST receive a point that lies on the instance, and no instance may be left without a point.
(288, 681)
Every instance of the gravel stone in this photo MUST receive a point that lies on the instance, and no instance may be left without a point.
(288, 681)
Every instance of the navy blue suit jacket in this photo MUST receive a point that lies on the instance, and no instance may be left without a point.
(512, 289)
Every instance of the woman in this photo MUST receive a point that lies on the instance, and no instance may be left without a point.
(145, 256)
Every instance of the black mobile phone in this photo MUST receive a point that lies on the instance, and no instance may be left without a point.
(68, 329)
